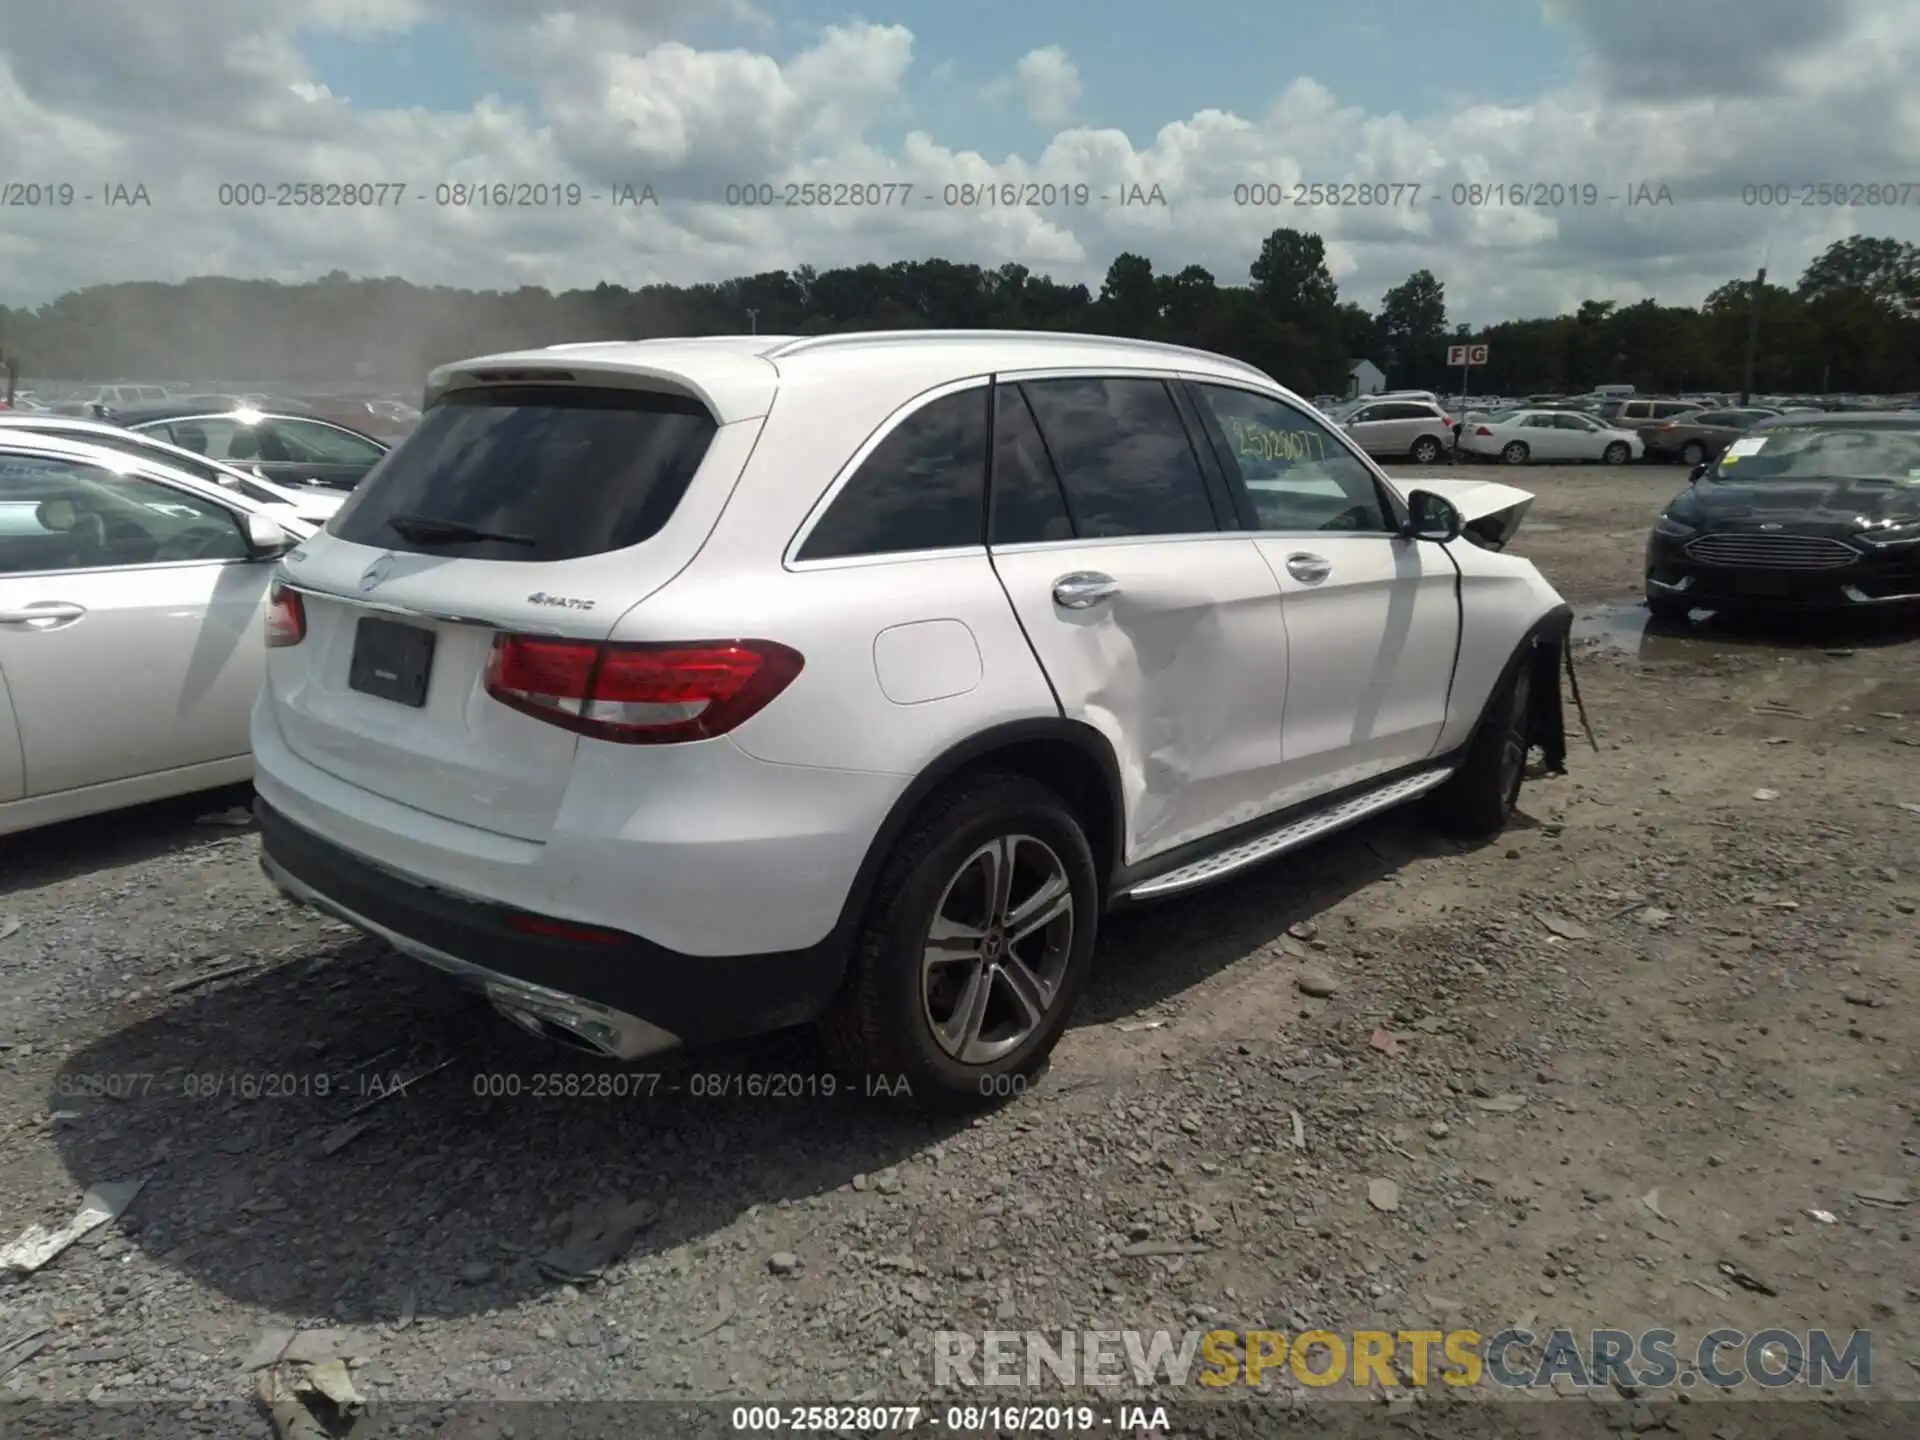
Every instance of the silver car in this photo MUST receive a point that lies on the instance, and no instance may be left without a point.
(1418, 430)
(133, 612)
(309, 503)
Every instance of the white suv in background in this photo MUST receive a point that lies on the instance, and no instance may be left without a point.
(1401, 427)
(677, 690)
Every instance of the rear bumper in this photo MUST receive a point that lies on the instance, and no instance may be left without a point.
(624, 995)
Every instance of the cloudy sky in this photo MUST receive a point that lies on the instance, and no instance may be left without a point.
(690, 97)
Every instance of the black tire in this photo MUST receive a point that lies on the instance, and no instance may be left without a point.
(1618, 453)
(1669, 611)
(1693, 453)
(1477, 800)
(1515, 452)
(1426, 450)
(880, 1029)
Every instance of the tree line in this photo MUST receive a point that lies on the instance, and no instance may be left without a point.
(1850, 323)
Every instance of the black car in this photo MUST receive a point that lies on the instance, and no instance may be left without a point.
(1802, 512)
(285, 448)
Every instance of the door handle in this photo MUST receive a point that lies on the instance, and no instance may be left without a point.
(1309, 568)
(46, 615)
(1084, 589)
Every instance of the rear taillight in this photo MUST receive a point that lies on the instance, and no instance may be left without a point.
(1483, 431)
(639, 694)
(286, 618)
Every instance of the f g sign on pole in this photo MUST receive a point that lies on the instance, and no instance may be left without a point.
(1466, 357)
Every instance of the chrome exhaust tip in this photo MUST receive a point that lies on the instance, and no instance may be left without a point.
(571, 1031)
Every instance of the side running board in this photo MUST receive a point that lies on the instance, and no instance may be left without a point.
(1291, 835)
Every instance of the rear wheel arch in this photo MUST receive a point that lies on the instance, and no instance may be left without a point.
(1073, 760)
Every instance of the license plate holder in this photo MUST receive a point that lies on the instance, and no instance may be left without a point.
(1764, 587)
(392, 661)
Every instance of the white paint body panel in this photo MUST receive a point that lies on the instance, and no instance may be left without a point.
(1184, 671)
(463, 755)
(1371, 653)
(926, 660)
(1502, 596)
(704, 849)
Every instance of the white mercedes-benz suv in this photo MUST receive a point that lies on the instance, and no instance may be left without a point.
(677, 690)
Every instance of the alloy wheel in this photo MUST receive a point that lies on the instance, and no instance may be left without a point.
(998, 949)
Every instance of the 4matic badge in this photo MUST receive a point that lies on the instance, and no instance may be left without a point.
(565, 602)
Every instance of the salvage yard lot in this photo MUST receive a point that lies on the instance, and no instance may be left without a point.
(1640, 1037)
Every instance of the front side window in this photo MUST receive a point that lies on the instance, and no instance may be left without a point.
(923, 487)
(1124, 457)
(67, 515)
(1297, 475)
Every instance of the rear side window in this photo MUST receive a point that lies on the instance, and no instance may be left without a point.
(1027, 503)
(924, 487)
(552, 472)
(1123, 456)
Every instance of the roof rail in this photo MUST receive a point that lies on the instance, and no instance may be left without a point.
(807, 344)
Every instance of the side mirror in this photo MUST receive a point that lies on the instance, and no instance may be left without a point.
(1695, 475)
(1429, 517)
(267, 539)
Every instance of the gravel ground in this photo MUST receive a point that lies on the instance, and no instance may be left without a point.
(1611, 1063)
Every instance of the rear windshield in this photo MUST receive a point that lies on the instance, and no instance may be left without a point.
(568, 471)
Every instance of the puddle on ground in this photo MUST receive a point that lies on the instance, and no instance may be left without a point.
(1626, 626)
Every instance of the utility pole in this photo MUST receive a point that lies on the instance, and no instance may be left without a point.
(753, 322)
(1753, 337)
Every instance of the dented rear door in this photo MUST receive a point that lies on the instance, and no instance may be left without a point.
(1169, 640)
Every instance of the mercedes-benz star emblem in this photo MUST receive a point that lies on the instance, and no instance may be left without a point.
(376, 572)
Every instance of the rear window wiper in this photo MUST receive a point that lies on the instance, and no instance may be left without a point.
(429, 530)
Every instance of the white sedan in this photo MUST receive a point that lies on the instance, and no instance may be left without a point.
(1551, 437)
(132, 628)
